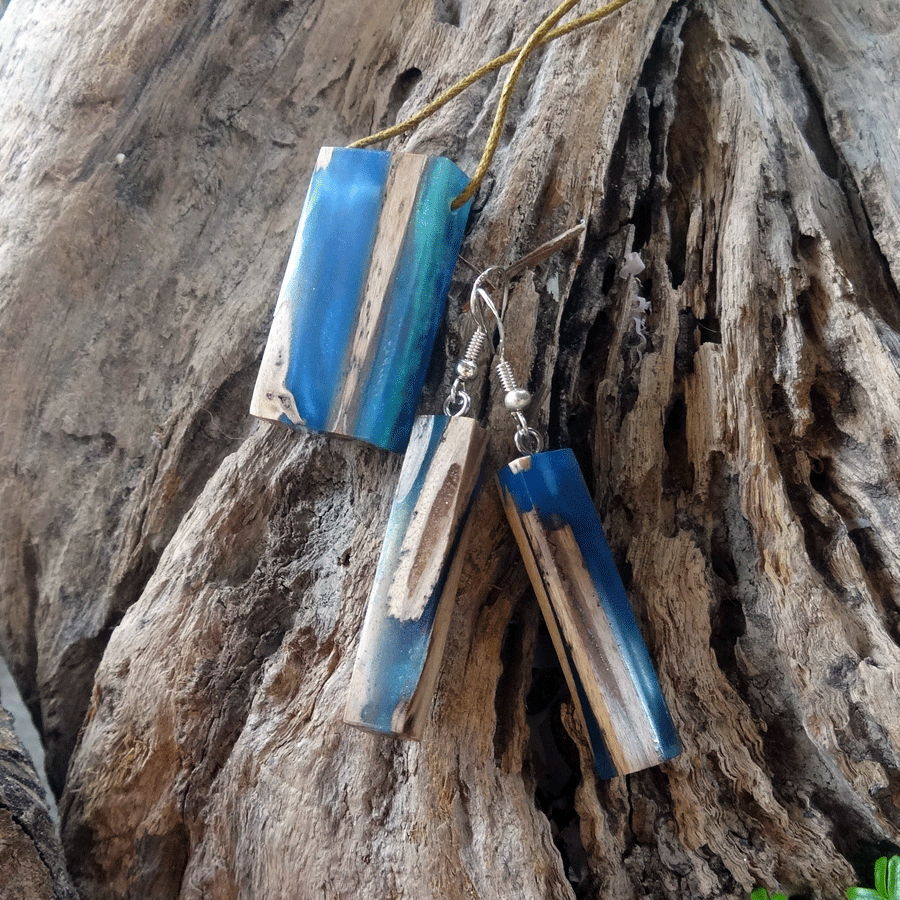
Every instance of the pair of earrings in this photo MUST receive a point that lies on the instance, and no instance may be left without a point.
(611, 678)
(360, 304)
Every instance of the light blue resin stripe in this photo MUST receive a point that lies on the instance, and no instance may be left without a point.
(415, 306)
(550, 486)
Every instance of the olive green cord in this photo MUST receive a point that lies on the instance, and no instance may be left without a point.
(543, 34)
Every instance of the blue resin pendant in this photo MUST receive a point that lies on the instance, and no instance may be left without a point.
(611, 677)
(363, 295)
(405, 629)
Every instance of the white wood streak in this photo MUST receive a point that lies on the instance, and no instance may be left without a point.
(398, 202)
(442, 502)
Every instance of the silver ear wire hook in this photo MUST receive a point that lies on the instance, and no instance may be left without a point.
(485, 298)
(458, 401)
(516, 399)
(480, 296)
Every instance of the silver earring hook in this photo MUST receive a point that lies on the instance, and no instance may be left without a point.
(488, 301)
(479, 296)
(515, 399)
(459, 401)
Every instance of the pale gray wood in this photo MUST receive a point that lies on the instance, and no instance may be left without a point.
(153, 162)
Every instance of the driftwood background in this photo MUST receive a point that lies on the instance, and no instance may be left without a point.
(181, 587)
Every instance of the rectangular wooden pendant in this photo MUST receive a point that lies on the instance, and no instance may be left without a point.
(611, 677)
(405, 629)
(363, 295)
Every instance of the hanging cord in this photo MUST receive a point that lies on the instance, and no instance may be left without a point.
(544, 34)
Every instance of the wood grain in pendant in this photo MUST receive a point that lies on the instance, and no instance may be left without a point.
(403, 636)
(363, 295)
(440, 506)
(584, 627)
(551, 620)
(398, 203)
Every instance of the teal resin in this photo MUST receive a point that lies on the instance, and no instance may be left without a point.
(363, 295)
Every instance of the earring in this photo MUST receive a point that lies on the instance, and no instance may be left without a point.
(408, 614)
(363, 295)
(611, 678)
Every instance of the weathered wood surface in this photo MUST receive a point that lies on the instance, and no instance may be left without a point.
(32, 866)
(747, 462)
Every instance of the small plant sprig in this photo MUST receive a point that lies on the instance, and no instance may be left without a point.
(763, 894)
(887, 884)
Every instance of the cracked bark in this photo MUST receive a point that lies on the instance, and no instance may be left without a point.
(181, 588)
(31, 856)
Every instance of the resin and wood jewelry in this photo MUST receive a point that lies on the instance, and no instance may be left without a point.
(610, 674)
(363, 295)
(404, 633)
(611, 678)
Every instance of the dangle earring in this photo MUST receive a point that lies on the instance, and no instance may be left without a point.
(610, 675)
(403, 636)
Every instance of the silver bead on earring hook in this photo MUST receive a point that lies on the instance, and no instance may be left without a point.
(459, 401)
(515, 399)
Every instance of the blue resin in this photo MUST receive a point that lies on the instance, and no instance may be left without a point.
(554, 486)
(325, 274)
(603, 764)
(417, 303)
(324, 292)
(399, 667)
(404, 645)
(393, 678)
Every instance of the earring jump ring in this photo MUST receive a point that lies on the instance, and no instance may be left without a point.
(528, 441)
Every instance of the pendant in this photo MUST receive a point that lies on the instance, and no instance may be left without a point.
(363, 295)
(408, 615)
(611, 678)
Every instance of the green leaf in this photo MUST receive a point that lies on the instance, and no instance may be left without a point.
(892, 879)
(762, 893)
(881, 875)
(859, 893)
